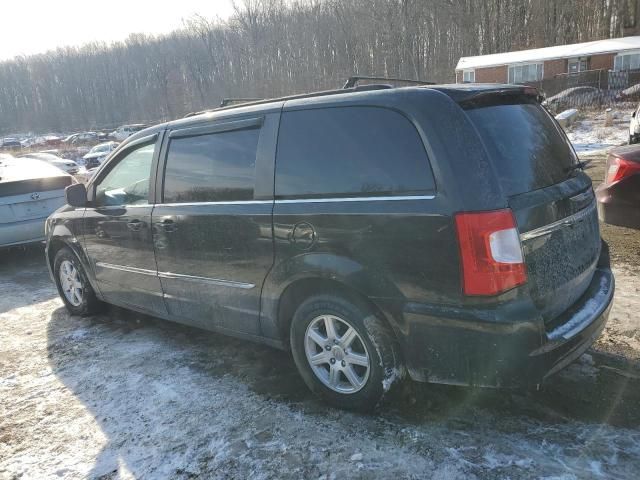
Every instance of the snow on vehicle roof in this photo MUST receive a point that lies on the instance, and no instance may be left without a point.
(613, 45)
(15, 169)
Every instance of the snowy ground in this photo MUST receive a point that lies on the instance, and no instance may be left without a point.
(589, 134)
(126, 396)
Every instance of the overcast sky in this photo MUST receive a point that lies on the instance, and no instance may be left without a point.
(35, 26)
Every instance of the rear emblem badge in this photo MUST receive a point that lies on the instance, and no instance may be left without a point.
(35, 196)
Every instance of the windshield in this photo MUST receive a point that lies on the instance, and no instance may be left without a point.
(527, 148)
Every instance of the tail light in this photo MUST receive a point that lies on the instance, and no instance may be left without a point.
(619, 168)
(490, 252)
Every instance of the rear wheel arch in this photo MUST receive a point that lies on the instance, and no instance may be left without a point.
(297, 292)
(349, 370)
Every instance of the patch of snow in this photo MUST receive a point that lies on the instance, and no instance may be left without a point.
(591, 136)
(391, 377)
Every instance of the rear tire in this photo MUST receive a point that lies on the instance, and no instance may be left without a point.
(345, 354)
(73, 286)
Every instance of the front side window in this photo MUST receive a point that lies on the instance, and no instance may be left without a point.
(212, 168)
(350, 151)
(127, 183)
(528, 72)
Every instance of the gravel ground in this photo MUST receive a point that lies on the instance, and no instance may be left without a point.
(122, 395)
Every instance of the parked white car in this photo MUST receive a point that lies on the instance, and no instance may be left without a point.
(98, 154)
(81, 137)
(634, 127)
(30, 190)
(125, 131)
(68, 166)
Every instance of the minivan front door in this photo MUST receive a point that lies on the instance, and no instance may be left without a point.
(213, 235)
(117, 230)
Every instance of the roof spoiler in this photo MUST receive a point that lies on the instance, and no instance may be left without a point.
(482, 97)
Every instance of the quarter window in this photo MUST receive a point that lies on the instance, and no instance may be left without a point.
(213, 167)
(350, 151)
(127, 183)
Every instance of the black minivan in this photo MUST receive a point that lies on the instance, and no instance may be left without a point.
(446, 232)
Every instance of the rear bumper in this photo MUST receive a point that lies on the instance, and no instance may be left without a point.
(461, 350)
(18, 233)
(577, 329)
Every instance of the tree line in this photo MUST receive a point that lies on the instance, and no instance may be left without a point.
(276, 47)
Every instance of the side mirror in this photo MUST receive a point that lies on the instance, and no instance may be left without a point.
(76, 195)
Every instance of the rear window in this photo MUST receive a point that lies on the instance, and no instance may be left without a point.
(528, 149)
(350, 151)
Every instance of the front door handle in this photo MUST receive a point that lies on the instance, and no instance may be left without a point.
(168, 225)
(134, 225)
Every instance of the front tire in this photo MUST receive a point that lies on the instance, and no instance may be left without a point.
(73, 286)
(345, 354)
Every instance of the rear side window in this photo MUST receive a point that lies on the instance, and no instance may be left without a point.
(527, 148)
(350, 151)
(211, 168)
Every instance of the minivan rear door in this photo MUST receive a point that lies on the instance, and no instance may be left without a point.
(213, 229)
(551, 197)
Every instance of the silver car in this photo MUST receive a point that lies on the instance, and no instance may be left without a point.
(30, 190)
(68, 166)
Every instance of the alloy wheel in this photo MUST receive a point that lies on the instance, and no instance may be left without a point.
(337, 354)
(71, 283)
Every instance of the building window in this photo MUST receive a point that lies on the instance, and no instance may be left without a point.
(630, 13)
(469, 76)
(577, 65)
(528, 72)
(627, 61)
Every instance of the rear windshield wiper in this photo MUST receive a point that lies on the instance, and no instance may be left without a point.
(578, 165)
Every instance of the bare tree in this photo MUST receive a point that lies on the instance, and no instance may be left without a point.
(276, 47)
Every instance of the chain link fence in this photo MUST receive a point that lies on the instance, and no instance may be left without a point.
(590, 89)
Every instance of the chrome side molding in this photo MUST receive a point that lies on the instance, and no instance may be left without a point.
(177, 276)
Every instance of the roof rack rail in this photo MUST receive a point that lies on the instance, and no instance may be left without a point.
(353, 81)
(230, 101)
(250, 102)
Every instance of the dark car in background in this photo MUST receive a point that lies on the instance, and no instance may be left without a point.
(619, 194)
(444, 232)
